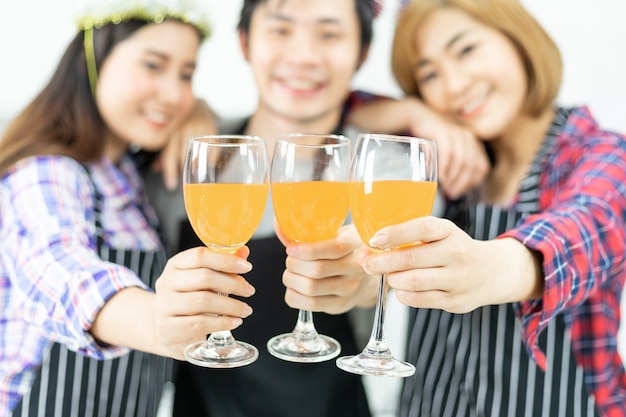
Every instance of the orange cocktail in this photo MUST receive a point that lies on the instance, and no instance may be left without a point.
(309, 183)
(393, 180)
(310, 211)
(382, 203)
(225, 216)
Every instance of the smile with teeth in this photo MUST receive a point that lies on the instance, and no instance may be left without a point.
(473, 105)
(300, 84)
(156, 117)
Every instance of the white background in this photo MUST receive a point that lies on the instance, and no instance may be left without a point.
(591, 35)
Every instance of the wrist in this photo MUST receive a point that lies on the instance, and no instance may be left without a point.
(520, 272)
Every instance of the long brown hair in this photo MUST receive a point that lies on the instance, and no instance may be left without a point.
(63, 118)
(541, 56)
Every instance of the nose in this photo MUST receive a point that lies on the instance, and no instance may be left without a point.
(456, 80)
(172, 89)
(302, 49)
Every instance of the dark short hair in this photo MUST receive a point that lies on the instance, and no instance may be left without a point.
(365, 10)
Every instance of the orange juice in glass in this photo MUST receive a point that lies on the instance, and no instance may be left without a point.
(309, 188)
(393, 179)
(299, 206)
(225, 216)
(225, 186)
(389, 202)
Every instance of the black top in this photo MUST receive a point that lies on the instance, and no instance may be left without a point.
(269, 386)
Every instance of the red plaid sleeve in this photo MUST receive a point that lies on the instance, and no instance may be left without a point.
(581, 235)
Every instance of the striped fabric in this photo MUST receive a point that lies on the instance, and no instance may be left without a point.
(67, 383)
(481, 363)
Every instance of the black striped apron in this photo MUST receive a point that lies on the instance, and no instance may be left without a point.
(475, 364)
(71, 385)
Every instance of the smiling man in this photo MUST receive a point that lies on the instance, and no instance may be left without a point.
(303, 55)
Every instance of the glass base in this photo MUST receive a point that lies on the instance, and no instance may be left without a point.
(317, 349)
(375, 365)
(232, 355)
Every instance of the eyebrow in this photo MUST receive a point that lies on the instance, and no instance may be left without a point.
(448, 45)
(284, 18)
(165, 57)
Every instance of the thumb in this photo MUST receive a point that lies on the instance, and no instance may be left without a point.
(419, 230)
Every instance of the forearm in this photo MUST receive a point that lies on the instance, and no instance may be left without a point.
(128, 319)
(517, 272)
(386, 116)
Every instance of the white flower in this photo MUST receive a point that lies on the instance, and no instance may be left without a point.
(97, 13)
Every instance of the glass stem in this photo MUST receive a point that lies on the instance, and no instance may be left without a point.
(305, 329)
(221, 338)
(377, 344)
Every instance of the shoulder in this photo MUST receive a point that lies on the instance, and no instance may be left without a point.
(52, 174)
(358, 97)
(585, 158)
(583, 128)
(365, 96)
(580, 139)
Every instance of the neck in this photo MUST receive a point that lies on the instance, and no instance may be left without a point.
(518, 145)
(269, 125)
(513, 153)
(114, 147)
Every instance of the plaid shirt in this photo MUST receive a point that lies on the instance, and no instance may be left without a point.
(580, 232)
(52, 282)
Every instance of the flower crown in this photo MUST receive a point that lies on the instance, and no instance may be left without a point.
(93, 14)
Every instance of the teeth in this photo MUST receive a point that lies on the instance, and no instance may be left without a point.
(301, 84)
(156, 117)
(469, 107)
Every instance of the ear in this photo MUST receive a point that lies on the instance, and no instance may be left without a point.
(363, 57)
(243, 44)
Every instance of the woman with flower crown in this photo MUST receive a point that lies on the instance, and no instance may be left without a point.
(80, 249)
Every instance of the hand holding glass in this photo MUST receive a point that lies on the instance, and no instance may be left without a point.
(309, 184)
(225, 187)
(393, 179)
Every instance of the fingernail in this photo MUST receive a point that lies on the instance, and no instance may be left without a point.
(236, 322)
(361, 257)
(250, 290)
(247, 310)
(244, 265)
(379, 240)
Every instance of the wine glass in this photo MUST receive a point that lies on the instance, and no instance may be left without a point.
(393, 179)
(309, 188)
(225, 188)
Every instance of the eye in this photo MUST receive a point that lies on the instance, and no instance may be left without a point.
(424, 77)
(152, 66)
(330, 35)
(186, 76)
(279, 31)
(466, 50)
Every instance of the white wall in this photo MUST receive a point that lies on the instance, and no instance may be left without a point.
(592, 36)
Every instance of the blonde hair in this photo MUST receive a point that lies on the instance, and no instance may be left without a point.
(540, 55)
